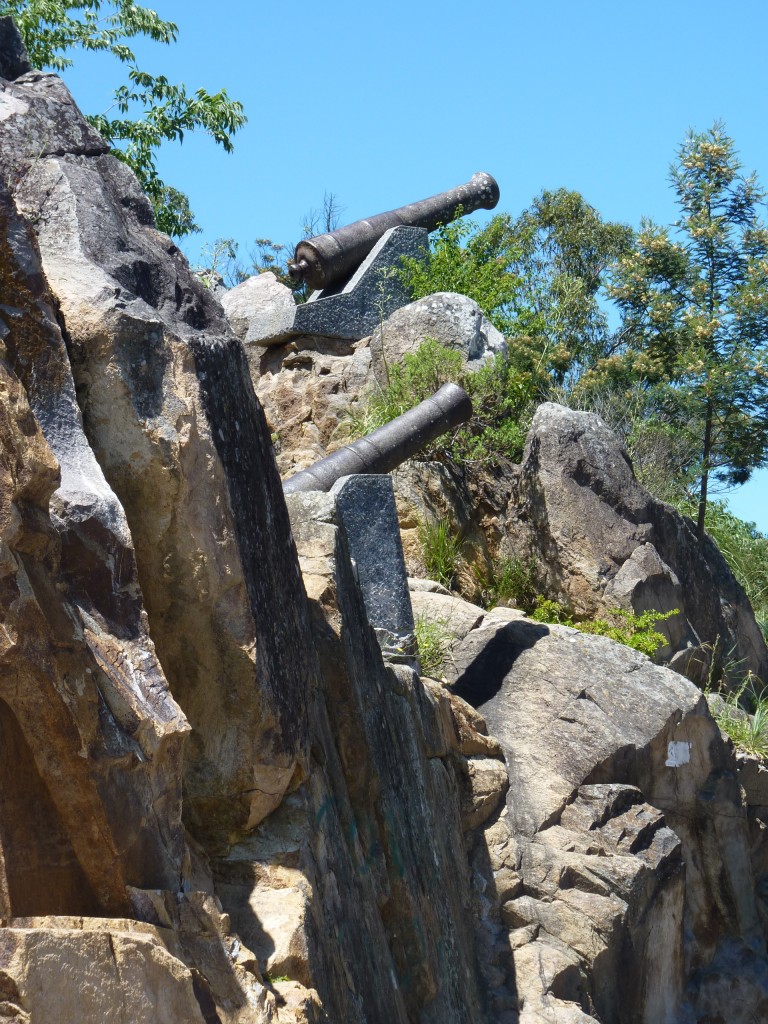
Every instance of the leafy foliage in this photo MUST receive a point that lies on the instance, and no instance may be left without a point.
(697, 307)
(744, 548)
(537, 277)
(52, 29)
(500, 398)
(636, 631)
(472, 261)
(168, 112)
(503, 400)
(566, 252)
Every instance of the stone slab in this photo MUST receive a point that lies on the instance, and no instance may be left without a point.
(365, 508)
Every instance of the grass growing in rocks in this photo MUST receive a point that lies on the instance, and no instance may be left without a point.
(434, 641)
(748, 731)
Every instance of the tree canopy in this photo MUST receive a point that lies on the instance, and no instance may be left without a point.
(152, 109)
(694, 298)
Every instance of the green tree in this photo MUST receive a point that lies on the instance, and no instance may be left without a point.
(539, 277)
(52, 29)
(474, 261)
(694, 300)
(566, 250)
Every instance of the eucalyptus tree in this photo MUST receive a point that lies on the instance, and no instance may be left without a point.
(566, 251)
(152, 110)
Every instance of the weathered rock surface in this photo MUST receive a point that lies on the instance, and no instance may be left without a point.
(169, 411)
(261, 299)
(95, 970)
(457, 616)
(308, 388)
(623, 810)
(602, 540)
(394, 759)
(92, 739)
(599, 539)
(311, 387)
(454, 320)
(433, 492)
(379, 857)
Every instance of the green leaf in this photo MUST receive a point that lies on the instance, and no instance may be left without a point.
(161, 112)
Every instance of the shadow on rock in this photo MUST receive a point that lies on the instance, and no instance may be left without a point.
(482, 678)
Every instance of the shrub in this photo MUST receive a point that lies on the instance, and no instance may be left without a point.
(745, 550)
(413, 380)
(472, 261)
(635, 631)
(500, 398)
(547, 610)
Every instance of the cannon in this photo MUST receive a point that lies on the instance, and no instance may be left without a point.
(387, 447)
(328, 260)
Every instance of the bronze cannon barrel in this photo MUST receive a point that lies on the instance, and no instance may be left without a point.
(386, 448)
(329, 259)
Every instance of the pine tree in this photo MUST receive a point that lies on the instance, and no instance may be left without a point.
(696, 298)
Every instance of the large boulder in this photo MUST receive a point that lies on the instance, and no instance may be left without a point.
(456, 321)
(601, 541)
(625, 870)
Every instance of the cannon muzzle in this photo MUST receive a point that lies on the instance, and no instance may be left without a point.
(329, 259)
(389, 446)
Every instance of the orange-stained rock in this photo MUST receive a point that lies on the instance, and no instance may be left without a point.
(169, 411)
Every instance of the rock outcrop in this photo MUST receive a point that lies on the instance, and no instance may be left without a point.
(169, 412)
(259, 298)
(603, 541)
(599, 540)
(92, 738)
(453, 320)
(312, 387)
(309, 388)
(624, 808)
(218, 803)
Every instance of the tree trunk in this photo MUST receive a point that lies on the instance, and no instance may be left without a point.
(705, 472)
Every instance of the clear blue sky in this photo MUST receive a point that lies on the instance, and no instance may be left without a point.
(382, 104)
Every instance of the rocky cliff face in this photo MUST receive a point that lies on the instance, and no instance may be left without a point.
(598, 539)
(169, 413)
(218, 802)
